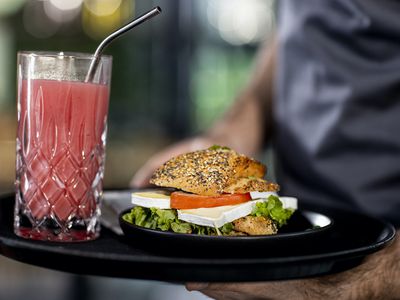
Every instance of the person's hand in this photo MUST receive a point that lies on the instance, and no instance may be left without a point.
(142, 176)
(377, 278)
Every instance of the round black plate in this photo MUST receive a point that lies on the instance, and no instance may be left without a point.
(351, 239)
(303, 228)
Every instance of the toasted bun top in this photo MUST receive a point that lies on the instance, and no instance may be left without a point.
(212, 172)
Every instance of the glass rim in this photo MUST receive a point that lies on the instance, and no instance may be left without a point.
(61, 54)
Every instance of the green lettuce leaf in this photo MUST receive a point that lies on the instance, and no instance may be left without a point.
(273, 209)
(181, 227)
(167, 220)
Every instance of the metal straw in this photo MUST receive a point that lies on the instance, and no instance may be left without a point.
(96, 58)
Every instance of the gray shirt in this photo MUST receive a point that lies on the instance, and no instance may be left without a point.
(337, 108)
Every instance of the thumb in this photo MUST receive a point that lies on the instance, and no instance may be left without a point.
(196, 286)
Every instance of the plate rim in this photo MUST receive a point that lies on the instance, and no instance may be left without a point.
(236, 238)
(384, 240)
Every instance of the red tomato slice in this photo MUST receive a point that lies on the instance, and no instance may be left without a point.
(182, 200)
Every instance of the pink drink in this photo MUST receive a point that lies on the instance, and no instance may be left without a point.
(60, 157)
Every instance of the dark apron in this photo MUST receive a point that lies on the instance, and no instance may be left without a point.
(337, 106)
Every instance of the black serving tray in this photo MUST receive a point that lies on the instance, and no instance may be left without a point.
(351, 239)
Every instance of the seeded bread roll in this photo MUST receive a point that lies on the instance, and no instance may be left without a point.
(250, 184)
(253, 225)
(212, 172)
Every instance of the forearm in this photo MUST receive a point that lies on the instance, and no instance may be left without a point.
(377, 278)
(244, 128)
(249, 121)
(381, 276)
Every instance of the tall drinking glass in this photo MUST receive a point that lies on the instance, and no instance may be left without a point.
(61, 138)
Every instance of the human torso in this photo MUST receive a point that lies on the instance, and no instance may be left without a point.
(337, 108)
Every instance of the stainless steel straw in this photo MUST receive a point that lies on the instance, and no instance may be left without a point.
(96, 57)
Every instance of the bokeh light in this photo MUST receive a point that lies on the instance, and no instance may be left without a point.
(66, 5)
(100, 17)
(242, 22)
(62, 11)
(102, 8)
(43, 18)
(36, 21)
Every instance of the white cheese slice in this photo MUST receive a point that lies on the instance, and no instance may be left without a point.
(262, 195)
(216, 216)
(213, 217)
(151, 199)
(289, 202)
(219, 216)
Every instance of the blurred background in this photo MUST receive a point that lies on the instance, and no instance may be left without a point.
(172, 77)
